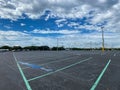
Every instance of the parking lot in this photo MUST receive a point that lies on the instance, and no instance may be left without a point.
(60, 70)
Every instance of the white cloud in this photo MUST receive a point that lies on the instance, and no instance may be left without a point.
(68, 39)
(7, 27)
(56, 31)
(102, 1)
(104, 10)
(48, 16)
(12, 35)
(22, 24)
(73, 24)
(60, 20)
(101, 17)
(60, 25)
(62, 8)
(90, 40)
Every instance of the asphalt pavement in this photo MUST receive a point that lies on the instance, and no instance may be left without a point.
(60, 70)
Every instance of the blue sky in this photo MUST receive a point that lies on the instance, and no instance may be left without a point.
(75, 23)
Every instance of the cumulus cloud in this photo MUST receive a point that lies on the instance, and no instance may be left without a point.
(61, 8)
(12, 35)
(90, 40)
(96, 12)
(56, 31)
(67, 39)
(104, 10)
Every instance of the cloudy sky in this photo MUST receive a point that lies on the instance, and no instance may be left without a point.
(74, 23)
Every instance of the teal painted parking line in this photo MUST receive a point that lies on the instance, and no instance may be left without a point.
(22, 74)
(51, 62)
(100, 76)
(66, 67)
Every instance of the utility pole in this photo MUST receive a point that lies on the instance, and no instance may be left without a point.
(90, 45)
(102, 38)
(57, 43)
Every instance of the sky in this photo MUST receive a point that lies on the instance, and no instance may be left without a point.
(73, 23)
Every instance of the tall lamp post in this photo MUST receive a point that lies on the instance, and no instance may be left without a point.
(57, 43)
(102, 38)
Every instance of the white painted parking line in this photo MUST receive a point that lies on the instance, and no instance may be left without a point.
(66, 67)
(114, 54)
(52, 62)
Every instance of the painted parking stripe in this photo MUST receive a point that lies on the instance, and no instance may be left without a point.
(52, 62)
(34, 66)
(22, 74)
(114, 54)
(66, 67)
(100, 76)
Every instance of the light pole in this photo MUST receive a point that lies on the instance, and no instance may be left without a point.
(57, 43)
(102, 38)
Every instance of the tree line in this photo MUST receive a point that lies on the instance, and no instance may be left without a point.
(30, 48)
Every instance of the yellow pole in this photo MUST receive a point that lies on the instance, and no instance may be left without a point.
(102, 39)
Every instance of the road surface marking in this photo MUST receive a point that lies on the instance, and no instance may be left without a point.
(52, 62)
(22, 74)
(66, 67)
(100, 76)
